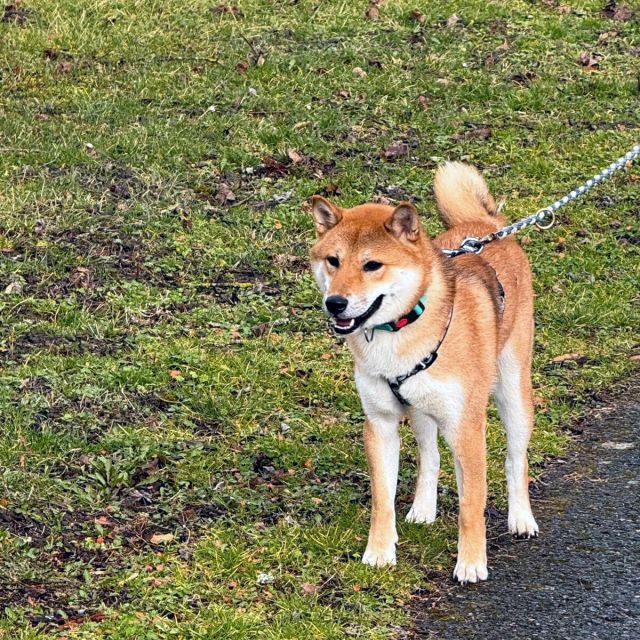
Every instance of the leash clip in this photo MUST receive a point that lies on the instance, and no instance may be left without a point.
(542, 214)
(472, 245)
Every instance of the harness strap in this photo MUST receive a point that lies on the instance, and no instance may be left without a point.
(425, 363)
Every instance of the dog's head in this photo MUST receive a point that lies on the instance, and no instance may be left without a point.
(370, 262)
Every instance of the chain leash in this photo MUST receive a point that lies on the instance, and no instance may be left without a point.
(476, 245)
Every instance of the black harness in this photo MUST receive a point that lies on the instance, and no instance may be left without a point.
(425, 363)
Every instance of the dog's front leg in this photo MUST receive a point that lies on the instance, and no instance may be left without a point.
(382, 446)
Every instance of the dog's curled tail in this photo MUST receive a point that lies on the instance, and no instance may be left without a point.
(462, 195)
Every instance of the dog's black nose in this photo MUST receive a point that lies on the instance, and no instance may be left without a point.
(336, 304)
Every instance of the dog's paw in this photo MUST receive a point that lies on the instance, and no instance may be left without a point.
(522, 524)
(470, 571)
(421, 515)
(380, 557)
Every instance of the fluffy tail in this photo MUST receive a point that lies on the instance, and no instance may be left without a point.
(462, 195)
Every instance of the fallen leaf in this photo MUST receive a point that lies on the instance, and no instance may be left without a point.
(310, 589)
(343, 94)
(103, 521)
(331, 189)
(424, 102)
(395, 151)
(294, 156)
(418, 16)
(481, 133)
(360, 72)
(589, 60)
(496, 54)
(161, 538)
(357, 587)
(568, 357)
(259, 330)
(453, 20)
(242, 67)
(615, 11)
(225, 8)
(373, 13)
(175, 374)
(225, 195)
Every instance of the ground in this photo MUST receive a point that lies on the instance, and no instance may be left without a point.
(180, 452)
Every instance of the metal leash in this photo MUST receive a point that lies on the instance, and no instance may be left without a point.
(476, 245)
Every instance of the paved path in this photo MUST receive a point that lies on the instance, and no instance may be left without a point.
(581, 579)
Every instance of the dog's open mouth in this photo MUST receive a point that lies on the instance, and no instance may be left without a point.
(343, 326)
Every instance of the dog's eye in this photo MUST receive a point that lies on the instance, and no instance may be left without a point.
(333, 261)
(372, 265)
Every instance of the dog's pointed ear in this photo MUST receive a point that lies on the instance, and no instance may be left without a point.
(325, 214)
(404, 222)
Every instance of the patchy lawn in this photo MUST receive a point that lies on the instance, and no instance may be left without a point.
(180, 453)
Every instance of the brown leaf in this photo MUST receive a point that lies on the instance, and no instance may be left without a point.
(242, 67)
(343, 94)
(589, 60)
(331, 189)
(418, 16)
(481, 133)
(274, 166)
(225, 8)
(615, 11)
(424, 102)
(568, 357)
(453, 20)
(259, 330)
(310, 589)
(225, 195)
(103, 521)
(373, 13)
(175, 374)
(294, 156)
(395, 151)
(360, 72)
(66, 67)
(496, 54)
(161, 538)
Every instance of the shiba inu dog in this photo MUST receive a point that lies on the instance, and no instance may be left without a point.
(432, 338)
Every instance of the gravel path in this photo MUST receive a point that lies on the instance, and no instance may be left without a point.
(581, 578)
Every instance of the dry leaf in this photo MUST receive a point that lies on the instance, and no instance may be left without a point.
(294, 156)
(418, 16)
(424, 102)
(225, 195)
(395, 151)
(360, 72)
(161, 538)
(496, 54)
(568, 357)
(175, 374)
(373, 13)
(453, 20)
(589, 60)
(481, 133)
(310, 589)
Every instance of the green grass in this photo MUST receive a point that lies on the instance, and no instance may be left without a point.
(164, 366)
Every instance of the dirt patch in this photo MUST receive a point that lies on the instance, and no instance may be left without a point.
(16, 349)
(17, 13)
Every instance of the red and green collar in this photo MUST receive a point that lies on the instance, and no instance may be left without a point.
(403, 321)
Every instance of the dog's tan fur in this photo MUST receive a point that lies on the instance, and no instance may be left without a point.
(487, 349)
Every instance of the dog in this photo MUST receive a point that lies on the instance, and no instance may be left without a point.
(433, 337)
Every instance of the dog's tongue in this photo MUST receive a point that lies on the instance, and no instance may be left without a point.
(344, 322)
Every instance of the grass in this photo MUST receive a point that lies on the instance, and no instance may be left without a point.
(180, 453)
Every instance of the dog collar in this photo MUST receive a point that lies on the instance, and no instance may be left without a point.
(403, 321)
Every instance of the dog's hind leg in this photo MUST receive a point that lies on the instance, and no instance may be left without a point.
(467, 442)
(514, 398)
(425, 501)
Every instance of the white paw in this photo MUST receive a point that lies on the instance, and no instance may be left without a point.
(380, 557)
(522, 523)
(421, 515)
(470, 572)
